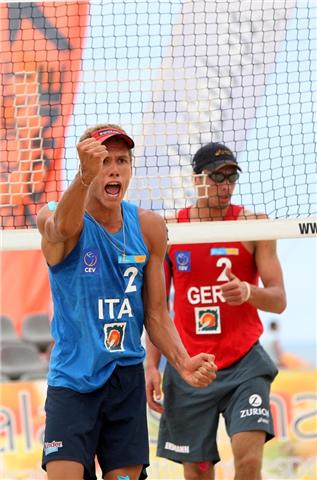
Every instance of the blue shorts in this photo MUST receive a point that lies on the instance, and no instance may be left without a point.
(109, 423)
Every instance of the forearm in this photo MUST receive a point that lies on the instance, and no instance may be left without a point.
(68, 217)
(165, 338)
(153, 355)
(268, 299)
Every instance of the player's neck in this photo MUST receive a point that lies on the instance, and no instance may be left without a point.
(111, 219)
(207, 213)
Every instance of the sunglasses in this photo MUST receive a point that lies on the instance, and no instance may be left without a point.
(219, 177)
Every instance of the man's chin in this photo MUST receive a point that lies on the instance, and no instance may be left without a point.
(224, 202)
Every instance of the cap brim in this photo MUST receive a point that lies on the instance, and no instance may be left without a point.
(125, 138)
(211, 167)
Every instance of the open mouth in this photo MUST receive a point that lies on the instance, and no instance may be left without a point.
(113, 189)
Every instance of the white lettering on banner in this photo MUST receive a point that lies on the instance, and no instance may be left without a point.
(176, 448)
(205, 294)
(112, 309)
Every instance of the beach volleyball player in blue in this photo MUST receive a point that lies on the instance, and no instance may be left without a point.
(105, 260)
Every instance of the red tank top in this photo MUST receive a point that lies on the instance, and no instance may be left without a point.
(205, 322)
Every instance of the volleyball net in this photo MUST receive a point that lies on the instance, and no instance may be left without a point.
(175, 74)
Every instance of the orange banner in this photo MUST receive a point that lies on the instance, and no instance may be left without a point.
(24, 285)
(40, 53)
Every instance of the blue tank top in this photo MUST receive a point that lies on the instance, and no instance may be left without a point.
(98, 308)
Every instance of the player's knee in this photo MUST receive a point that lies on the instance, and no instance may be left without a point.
(198, 471)
(248, 466)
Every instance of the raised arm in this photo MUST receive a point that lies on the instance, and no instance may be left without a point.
(61, 227)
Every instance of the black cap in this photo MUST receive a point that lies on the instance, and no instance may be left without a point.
(213, 156)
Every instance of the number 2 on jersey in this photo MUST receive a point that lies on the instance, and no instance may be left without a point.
(223, 262)
(131, 272)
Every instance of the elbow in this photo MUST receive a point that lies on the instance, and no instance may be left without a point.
(61, 233)
(278, 300)
(281, 305)
(66, 230)
(279, 309)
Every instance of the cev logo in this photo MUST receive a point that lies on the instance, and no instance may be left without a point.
(255, 400)
(90, 260)
(182, 259)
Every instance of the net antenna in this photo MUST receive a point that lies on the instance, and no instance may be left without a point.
(175, 76)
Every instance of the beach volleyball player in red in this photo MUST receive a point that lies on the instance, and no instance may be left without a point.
(217, 296)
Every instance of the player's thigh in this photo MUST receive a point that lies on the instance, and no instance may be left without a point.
(248, 446)
(63, 469)
(123, 439)
(71, 432)
(248, 409)
(188, 426)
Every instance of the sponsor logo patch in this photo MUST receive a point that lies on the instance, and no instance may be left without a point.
(254, 412)
(207, 320)
(223, 251)
(255, 400)
(114, 336)
(132, 258)
(51, 447)
(90, 263)
(222, 151)
(176, 448)
(183, 263)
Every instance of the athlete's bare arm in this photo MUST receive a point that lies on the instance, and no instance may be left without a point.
(152, 372)
(269, 298)
(272, 297)
(153, 377)
(60, 229)
(199, 371)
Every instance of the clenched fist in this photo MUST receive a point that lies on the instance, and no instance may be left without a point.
(235, 291)
(200, 370)
(91, 155)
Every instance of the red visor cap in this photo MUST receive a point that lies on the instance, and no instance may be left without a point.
(105, 133)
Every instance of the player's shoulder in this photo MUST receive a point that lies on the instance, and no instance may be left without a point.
(153, 228)
(246, 214)
(149, 217)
